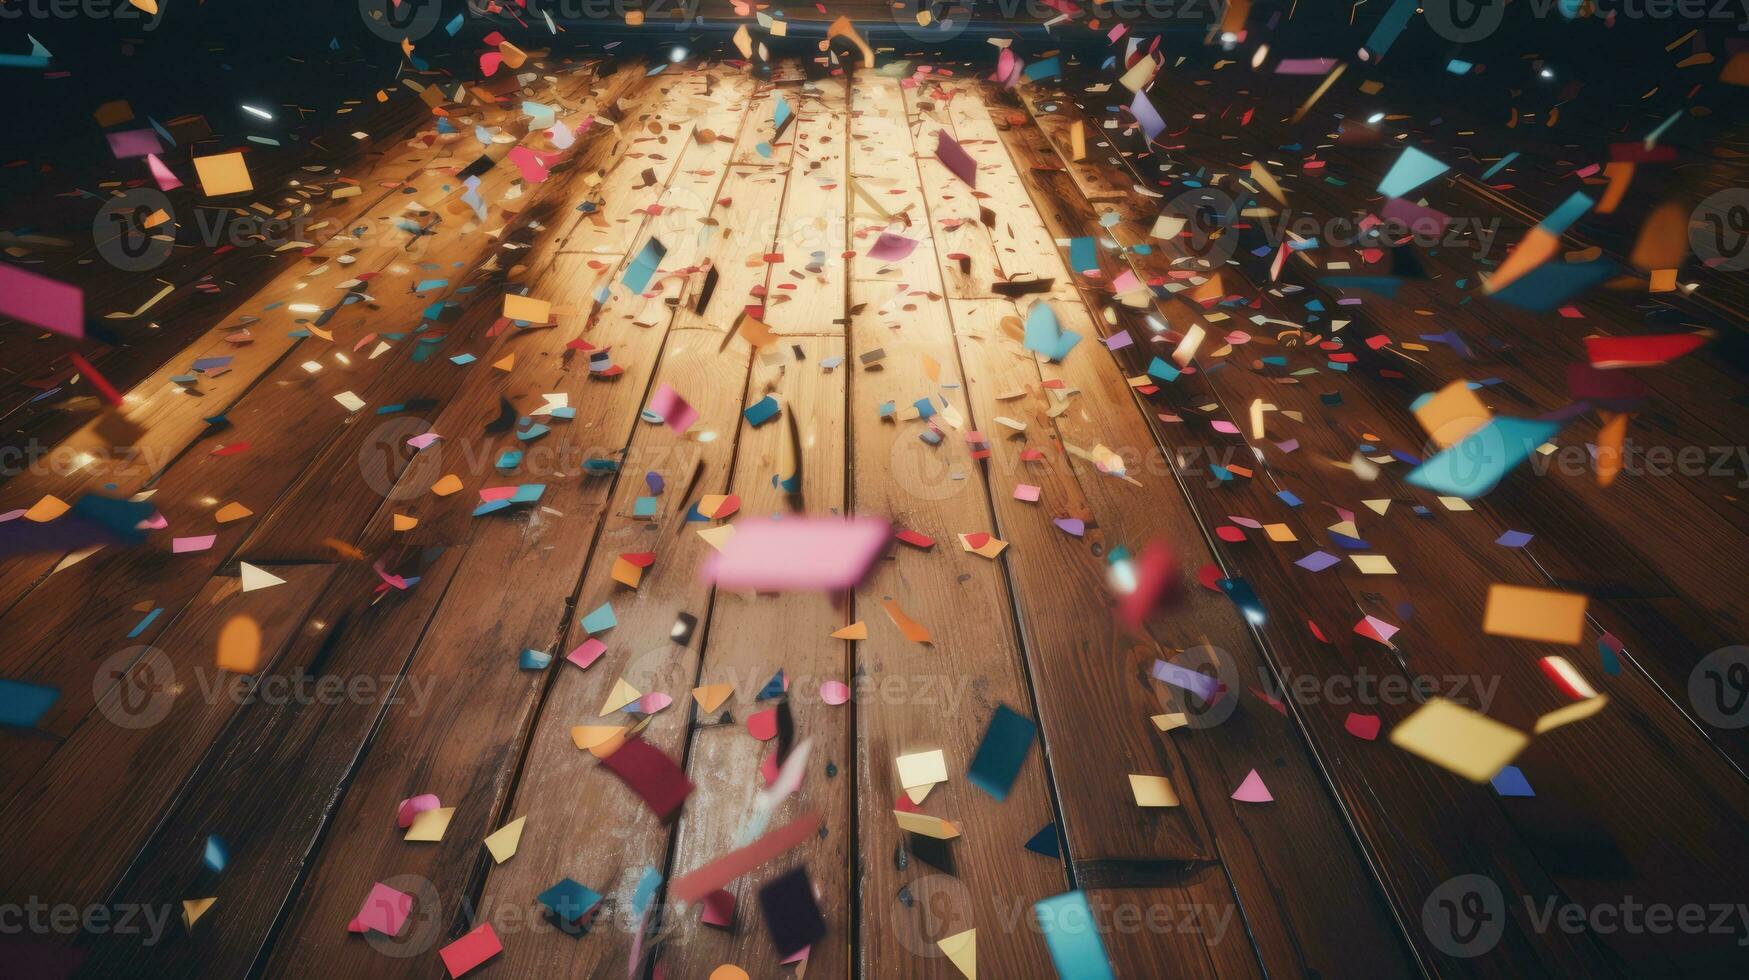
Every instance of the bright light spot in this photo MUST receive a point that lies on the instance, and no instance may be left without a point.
(677, 55)
(1377, 117)
(1548, 73)
(262, 113)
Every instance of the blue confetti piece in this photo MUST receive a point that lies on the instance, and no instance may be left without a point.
(762, 411)
(146, 623)
(217, 854)
(1071, 932)
(1510, 781)
(23, 704)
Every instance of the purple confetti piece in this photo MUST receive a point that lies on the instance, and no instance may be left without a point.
(1202, 685)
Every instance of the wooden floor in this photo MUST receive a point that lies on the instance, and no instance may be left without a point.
(391, 658)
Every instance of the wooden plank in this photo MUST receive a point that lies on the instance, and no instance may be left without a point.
(266, 411)
(172, 419)
(624, 197)
(71, 622)
(622, 835)
(1369, 776)
(1096, 729)
(805, 295)
(605, 410)
(750, 637)
(270, 784)
(1057, 611)
(1609, 543)
(961, 598)
(470, 755)
(377, 164)
(71, 831)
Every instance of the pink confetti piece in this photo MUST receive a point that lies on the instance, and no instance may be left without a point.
(587, 652)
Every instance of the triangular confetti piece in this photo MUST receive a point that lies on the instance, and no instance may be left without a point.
(711, 696)
(503, 841)
(506, 363)
(961, 949)
(194, 908)
(855, 631)
(621, 695)
(1045, 841)
(928, 826)
(258, 578)
(1252, 790)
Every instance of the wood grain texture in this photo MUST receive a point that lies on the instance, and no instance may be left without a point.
(1342, 873)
